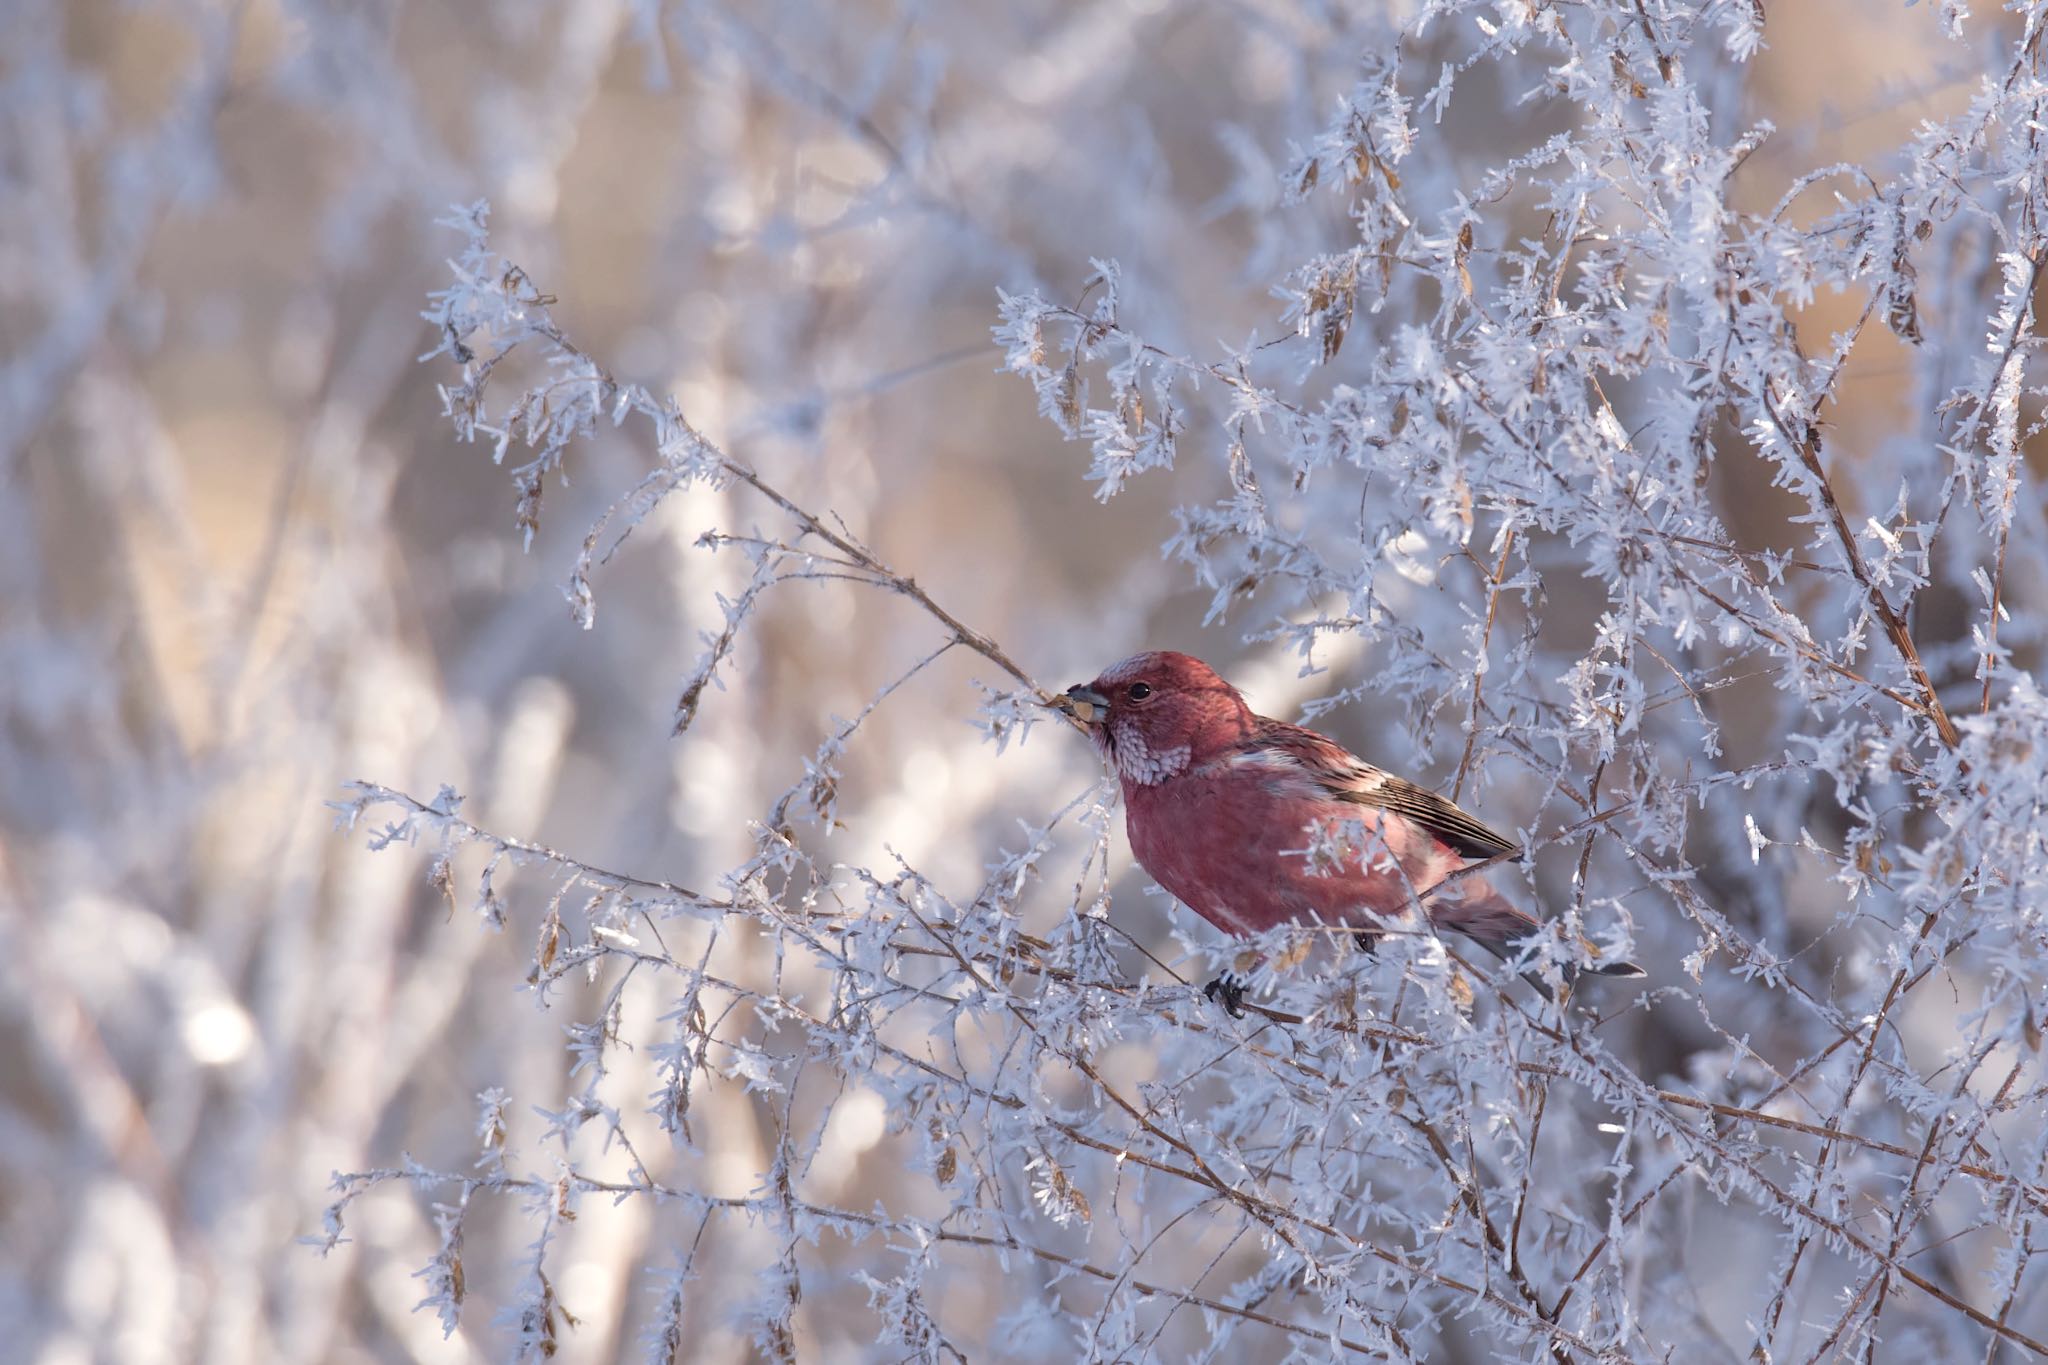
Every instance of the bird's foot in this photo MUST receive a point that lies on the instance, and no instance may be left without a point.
(1230, 991)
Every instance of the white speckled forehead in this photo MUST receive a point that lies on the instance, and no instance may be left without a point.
(1130, 670)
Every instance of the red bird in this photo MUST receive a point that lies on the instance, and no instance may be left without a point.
(1223, 805)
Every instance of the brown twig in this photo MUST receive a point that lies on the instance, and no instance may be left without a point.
(1807, 444)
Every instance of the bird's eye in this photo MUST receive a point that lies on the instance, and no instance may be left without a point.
(1139, 691)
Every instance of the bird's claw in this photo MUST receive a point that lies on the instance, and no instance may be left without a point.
(1229, 991)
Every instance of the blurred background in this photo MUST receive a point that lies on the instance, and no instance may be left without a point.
(243, 560)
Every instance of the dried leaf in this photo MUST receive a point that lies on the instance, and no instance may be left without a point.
(1067, 400)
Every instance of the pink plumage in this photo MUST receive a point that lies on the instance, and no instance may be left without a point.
(1223, 806)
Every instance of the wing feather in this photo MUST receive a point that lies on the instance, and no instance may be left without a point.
(1345, 777)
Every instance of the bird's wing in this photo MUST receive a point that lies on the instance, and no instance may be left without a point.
(1342, 776)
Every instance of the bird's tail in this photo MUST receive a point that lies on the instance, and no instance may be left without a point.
(1474, 909)
(1509, 950)
(1498, 925)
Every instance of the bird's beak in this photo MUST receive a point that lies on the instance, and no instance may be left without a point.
(1085, 704)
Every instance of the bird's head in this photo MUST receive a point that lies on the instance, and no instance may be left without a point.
(1158, 714)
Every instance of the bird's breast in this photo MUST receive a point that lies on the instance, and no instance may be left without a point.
(1234, 847)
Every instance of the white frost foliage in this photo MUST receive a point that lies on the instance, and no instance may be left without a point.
(1581, 452)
